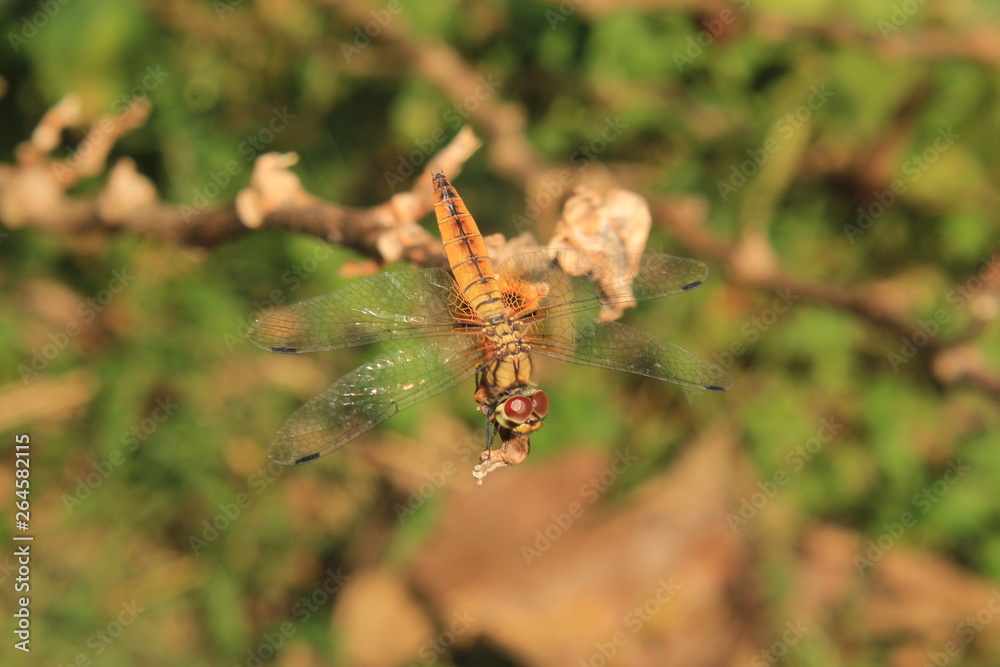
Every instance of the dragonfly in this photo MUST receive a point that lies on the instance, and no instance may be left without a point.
(477, 322)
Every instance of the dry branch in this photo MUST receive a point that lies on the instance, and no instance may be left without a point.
(33, 194)
(750, 262)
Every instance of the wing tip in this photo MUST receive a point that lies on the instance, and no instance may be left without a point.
(725, 383)
(285, 461)
(691, 286)
(266, 340)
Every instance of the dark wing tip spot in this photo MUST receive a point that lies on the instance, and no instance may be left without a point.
(285, 350)
(306, 459)
(691, 286)
(712, 387)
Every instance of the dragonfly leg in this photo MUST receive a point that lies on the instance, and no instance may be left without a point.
(515, 449)
(491, 434)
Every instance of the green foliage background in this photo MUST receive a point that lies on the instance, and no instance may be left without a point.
(174, 334)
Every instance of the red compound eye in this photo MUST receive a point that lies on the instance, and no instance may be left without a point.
(540, 403)
(517, 409)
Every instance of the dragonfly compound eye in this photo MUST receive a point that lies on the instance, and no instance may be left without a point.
(516, 409)
(540, 403)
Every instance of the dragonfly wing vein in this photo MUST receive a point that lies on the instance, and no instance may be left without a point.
(395, 305)
(623, 348)
(573, 281)
(371, 394)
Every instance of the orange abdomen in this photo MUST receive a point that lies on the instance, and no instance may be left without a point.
(466, 250)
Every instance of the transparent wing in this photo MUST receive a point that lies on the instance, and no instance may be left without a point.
(623, 348)
(569, 281)
(371, 394)
(389, 306)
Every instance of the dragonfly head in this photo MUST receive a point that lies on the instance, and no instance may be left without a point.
(523, 412)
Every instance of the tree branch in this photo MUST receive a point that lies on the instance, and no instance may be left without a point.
(751, 263)
(33, 194)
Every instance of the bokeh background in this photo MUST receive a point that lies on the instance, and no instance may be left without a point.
(833, 162)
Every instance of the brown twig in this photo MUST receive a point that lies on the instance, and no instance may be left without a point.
(751, 263)
(502, 123)
(33, 194)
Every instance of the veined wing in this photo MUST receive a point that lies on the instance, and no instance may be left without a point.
(569, 281)
(388, 306)
(623, 348)
(371, 394)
